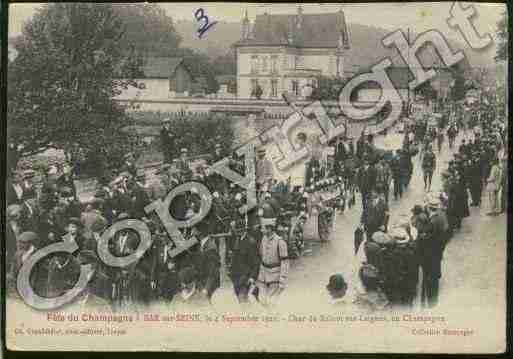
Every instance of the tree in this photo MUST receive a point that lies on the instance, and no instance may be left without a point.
(502, 39)
(225, 64)
(61, 86)
(147, 30)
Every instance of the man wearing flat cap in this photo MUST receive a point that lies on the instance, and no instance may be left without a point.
(167, 141)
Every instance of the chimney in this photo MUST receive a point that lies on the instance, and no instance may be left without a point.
(299, 17)
(290, 30)
(245, 26)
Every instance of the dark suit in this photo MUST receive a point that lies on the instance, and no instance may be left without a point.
(29, 216)
(121, 247)
(208, 266)
(430, 250)
(138, 199)
(11, 195)
(167, 141)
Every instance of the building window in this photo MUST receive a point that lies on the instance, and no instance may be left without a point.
(274, 88)
(254, 64)
(274, 64)
(264, 64)
(295, 87)
(298, 63)
(254, 84)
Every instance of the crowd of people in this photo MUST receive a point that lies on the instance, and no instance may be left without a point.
(259, 243)
(394, 261)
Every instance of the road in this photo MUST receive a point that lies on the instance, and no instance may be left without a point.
(474, 265)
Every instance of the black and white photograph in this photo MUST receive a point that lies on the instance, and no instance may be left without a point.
(256, 177)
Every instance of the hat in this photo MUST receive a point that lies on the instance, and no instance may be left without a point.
(125, 174)
(27, 237)
(99, 224)
(166, 120)
(13, 210)
(261, 150)
(336, 282)
(218, 145)
(184, 150)
(75, 221)
(399, 234)
(123, 215)
(187, 275)
(381, 238)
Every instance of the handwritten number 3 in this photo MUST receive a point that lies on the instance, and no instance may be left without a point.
(200, 16)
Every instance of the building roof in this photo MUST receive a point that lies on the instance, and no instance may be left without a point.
(161, 67)
(300, 30)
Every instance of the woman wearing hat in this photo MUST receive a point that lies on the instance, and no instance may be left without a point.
(493, 187)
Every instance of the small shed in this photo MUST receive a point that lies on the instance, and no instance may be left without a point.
(172, 69)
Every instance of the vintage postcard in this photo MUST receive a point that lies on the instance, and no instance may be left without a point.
(239, 177)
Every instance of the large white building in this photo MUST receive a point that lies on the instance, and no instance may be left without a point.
(289, 52)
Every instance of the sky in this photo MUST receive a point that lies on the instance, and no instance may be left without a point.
(418, 17)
